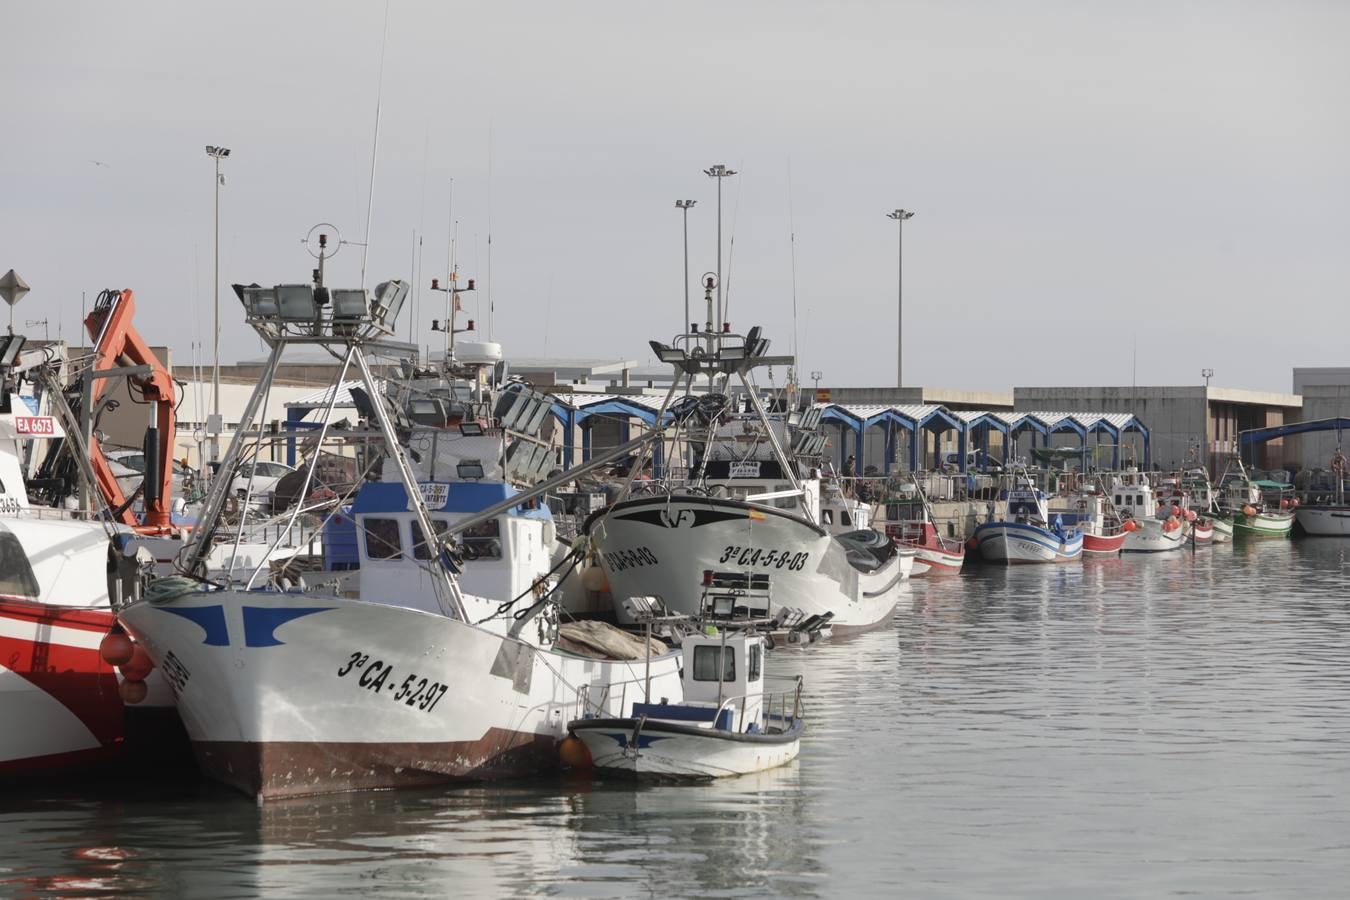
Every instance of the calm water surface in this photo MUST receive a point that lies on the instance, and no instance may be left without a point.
(1136, 726)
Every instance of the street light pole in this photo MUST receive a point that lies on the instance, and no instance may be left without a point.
(719, 172)
(684, 206)
(216, 153)
(900, 215)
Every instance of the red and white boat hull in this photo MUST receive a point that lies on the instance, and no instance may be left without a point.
(932, 560)
(1104, 544)
(58, 697)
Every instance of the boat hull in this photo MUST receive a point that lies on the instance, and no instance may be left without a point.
(659, 546)
(1263, 524)
(935, 560)
(1223, 530)
(1151, 537)
(1330, 521)
(293, 694)
(55, 683)
(1097, 544)
(674, 751)
(1016, 543)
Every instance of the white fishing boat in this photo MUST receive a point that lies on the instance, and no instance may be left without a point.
(1327, 514)
(1156, 528)
(729, 723)
(1029, 534)
(410, 678)
(752, 505)
(61, 689)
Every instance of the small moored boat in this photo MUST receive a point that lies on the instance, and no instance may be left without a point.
(727, 724)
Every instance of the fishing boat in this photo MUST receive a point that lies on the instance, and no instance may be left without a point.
(57, 693)
(750, 506)
(908, 520)
(1029, 534)
(1091, 511)
(1327, 514)
(65, 673)
(1150, 527)
(727, 724)
(1255, 509)
(407, 677)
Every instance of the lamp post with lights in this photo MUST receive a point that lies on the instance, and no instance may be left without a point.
(719, 172)
(900, 215)
(216, 153)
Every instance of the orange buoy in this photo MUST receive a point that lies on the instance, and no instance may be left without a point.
(1249, 511)
(139, 666)
(1284, 504)
(1190, 515)
(574, 753)
(116, 648)
(133, 691)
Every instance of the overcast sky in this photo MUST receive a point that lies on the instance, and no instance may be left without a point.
(1085, 175)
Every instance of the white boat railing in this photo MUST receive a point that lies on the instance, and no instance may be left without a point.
(767, 700)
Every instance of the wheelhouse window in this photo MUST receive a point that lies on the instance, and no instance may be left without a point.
(827, 516)
(420, 548)
(483, 541)
(16, 574)
(705, 663)
(752, 665)
(845, 518)
(383, 540)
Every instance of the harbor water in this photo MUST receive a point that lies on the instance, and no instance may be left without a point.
(1131, 726)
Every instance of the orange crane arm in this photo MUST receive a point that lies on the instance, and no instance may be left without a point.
(118, 343)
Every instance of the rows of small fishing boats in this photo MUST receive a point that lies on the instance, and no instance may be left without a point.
(433, 624)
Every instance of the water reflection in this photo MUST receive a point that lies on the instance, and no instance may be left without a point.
(1134, 725)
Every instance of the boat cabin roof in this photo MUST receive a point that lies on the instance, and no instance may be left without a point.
(444, 497)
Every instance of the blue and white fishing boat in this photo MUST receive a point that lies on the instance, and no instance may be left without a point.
(1028, 534)
(445, 659)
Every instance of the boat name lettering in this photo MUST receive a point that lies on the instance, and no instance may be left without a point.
(40, 425)
(765, 559)
(744, 470)
(176, 673)
(434, 494)
(9, 505)
(378, 676)
(620, 560)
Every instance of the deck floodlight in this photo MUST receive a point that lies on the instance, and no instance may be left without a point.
(667, 353)
(350, 303)
(537, 417)
(389, 297)
(469, 468)
(10, 347)
(471, 429)
(752, 336)
(295, 302)
(259, 302)
(512, 407)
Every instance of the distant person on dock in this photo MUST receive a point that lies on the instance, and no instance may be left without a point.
(850, 470)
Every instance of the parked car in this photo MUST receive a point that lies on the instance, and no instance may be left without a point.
(128, 467)
(265, 475)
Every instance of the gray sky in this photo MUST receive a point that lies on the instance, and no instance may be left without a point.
(1084, 174)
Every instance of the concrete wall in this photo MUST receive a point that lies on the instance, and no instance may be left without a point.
(1326, 395)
